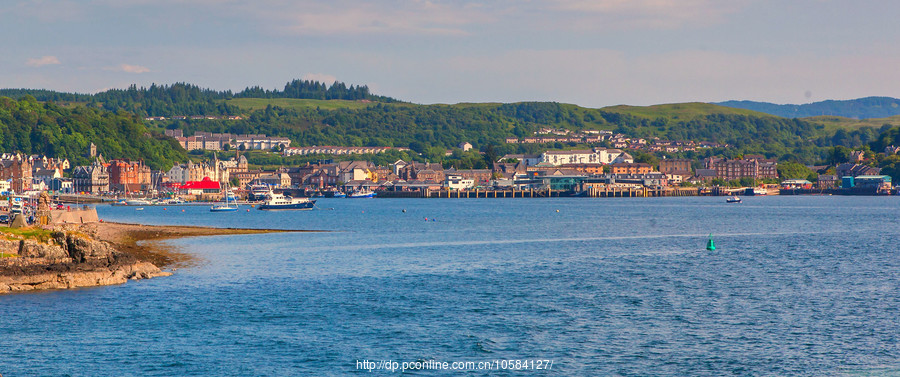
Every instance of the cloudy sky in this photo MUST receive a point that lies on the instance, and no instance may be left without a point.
(590, 52)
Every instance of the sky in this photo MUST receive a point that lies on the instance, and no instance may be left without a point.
(593, 53)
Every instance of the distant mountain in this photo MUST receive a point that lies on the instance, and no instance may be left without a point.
(861, 108)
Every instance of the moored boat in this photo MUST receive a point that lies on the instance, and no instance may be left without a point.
(362, 194)
(280, 201)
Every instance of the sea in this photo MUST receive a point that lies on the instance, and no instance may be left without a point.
(796, 286)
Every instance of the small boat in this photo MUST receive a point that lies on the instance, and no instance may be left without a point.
(339, 194)
(280, 201)
(733, 199)
(229, 205)
(362, 194)
(138, 202)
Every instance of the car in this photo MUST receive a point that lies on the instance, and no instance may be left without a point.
(4, 218)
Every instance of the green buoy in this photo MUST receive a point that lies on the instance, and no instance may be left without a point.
(710, 245)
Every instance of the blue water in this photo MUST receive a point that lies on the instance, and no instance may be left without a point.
(798, 286)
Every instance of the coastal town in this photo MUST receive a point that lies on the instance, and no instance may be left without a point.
(580, 172)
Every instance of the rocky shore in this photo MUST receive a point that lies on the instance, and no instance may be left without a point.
(84, 255)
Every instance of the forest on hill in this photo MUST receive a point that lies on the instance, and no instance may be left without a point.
(187, 99)
(30, 127)
(432, 129)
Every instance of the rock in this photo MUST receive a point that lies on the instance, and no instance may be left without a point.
(9, 246)
(35, 249)
(72, 258)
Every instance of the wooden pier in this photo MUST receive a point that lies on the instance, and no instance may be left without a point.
(592, 192)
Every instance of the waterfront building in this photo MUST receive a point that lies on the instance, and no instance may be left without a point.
(751, 166)
(17, 170)
(93, 179)
(675, 165)
(127, 175)
(630, 168)
(855, 170)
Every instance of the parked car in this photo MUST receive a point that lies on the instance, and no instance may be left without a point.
(4, 219)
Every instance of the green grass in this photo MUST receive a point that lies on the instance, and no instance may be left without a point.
(833, 123)
(39, 234)
(681, 111)
(251, 104)
(5, 255)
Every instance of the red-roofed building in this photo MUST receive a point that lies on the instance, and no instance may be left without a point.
(206, 186)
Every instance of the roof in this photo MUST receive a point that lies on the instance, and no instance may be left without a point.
(205, 184)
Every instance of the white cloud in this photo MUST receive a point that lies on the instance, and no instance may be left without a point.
(320, 77)
(133, 68)
(658, 14)
(42, 61)
(353, 17)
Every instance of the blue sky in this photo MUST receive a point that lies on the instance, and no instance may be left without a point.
(592, 53)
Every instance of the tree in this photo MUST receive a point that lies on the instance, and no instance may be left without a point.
(242, 147)
(793, 170)
(226, 147)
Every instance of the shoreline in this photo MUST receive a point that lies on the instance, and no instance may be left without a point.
(96, 254)
(144, 241)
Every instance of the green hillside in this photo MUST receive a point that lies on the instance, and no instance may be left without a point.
(30, 127)
(834, 123)
(681, 111)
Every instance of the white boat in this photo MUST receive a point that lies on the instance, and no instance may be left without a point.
(733, 199)
(362, 194)
(229, 205)
(280, 201)
(258, 192)
(756, 191)
(138, 202)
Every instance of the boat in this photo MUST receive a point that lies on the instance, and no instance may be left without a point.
(362, 194)
(339, 194)
(756, 191)
(138, 202)
(733, 199)
(229, 205)
(276, 200)
(258, 192)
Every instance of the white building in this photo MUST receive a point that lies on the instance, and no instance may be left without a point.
(457, 182)
(586, 156)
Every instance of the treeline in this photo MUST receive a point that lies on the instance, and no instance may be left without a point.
(187, 99)
(307, 89)
(31, 127)
(433, 129)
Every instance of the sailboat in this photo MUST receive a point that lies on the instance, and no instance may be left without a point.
(229, 205)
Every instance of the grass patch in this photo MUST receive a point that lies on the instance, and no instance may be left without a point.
(834, 123)
(29, 233)
(681, 111)
(5, 255)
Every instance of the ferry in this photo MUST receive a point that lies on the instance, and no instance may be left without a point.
(258, 192)
(756, 191)
(362, 194)
(280, 201)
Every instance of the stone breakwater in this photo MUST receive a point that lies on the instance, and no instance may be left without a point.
(65, 257)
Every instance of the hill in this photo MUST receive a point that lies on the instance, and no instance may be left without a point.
(187, 99)
(350, 116)
(681, 111)
(861, 108)
(30, 127)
